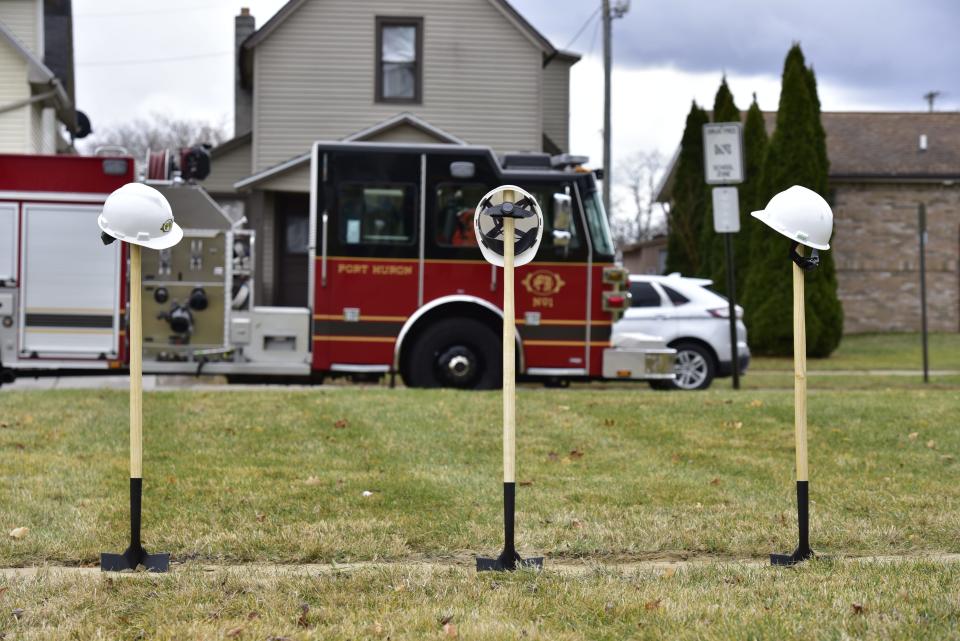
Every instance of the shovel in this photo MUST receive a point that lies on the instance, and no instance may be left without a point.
(803, 551)
(508, 559)
(135, 555)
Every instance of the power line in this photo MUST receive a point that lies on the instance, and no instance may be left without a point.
(168, 10)
(119, 63)
(583, 27)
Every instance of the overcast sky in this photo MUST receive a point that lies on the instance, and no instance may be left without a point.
(138, 56)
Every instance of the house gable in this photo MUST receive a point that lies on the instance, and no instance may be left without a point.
(314, 76)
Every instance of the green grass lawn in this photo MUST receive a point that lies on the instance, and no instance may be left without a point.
(606, 476)
(878, 352)
(908, 601)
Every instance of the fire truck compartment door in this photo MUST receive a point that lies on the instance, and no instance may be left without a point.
(8, 242)
(71, 284)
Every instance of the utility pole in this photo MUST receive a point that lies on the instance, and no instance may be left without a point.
(618, 11)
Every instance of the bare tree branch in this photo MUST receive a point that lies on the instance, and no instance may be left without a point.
(636, 216)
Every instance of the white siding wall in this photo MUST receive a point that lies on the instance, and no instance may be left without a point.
(556, 102)
(314, 76)
(21, 17)
(14, 125)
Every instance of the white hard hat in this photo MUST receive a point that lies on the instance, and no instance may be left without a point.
(801, 215)
(528, 224)
(139, 214)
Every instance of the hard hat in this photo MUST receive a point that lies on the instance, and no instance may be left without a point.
(139, 214)
(801, 215)
(528, 224)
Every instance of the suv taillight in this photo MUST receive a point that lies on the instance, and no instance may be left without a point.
(724, 312)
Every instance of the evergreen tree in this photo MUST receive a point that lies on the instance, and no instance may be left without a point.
(689, 199)
(795, 156)
(754, 150)
(712, 243)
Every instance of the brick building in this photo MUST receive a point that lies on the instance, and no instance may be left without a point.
(883, 165)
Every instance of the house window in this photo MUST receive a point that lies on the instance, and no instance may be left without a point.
(399, 59)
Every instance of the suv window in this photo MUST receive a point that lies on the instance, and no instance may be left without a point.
(644, 295)
(675, 297)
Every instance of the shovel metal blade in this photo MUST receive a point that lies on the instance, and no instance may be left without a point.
(508, 563)
(798, 556)
(132, 559)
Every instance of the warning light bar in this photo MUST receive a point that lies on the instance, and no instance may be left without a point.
(615, 275)
(616, 301)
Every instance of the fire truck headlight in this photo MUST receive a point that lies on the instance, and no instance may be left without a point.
(161, 295)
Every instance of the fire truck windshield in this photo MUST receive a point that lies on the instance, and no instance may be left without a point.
(597, 219)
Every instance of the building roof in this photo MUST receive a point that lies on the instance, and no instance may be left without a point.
(878, 146)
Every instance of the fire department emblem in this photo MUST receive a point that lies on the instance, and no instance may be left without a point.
(542, 282)
(167, 225)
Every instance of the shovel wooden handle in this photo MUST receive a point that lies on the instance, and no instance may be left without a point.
(800, 371)
(136, 365)
(509, 373)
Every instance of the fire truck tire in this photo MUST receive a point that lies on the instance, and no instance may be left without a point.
(455, 352)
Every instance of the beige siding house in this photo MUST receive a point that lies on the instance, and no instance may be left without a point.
(36, 76)
(416, 71)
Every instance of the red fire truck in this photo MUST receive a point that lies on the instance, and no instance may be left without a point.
(397, 284)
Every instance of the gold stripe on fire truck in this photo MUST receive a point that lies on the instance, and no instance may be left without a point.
(355, 339)
(451, 261)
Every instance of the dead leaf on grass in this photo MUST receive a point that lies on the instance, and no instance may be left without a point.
(526, 483)
(609, 422)
(675, 458)
(715, 481)
(235, 632)
(857, 608)
(913, 435)
(552, 456)
(340, 424)
(312, 480)
(652, 605)
(574, 454)
(450, 629)
(253, 615)
(447, 619)
(946, 458)
(576, 523)
(302, 620)
(19, 532)
(260, 516)
(3, 590)
(932, 444)
(734, 424)
(756, 403)
(669, 572)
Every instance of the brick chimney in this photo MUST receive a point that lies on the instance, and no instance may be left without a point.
(243, 26)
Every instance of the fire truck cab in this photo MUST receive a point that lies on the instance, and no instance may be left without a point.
(399, 284)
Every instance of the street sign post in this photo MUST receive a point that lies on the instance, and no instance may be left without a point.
(723, 165)
(922, 225)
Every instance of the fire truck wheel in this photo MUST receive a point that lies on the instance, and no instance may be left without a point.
(456, 352)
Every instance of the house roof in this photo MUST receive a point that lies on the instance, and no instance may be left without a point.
(878, 146)
(503, 6)
(401, 119)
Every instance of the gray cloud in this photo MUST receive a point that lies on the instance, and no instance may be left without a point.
(888, 51)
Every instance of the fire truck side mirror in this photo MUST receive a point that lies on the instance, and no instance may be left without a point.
(562, 220)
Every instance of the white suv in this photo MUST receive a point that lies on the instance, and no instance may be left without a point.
(691, 319)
